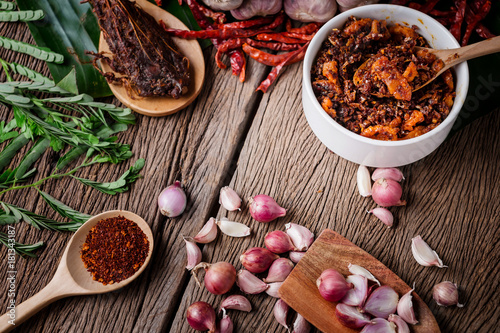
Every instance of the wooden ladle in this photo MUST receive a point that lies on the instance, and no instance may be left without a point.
(450, 58)
(71, 277)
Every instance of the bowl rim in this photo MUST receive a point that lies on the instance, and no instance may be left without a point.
(341, 18)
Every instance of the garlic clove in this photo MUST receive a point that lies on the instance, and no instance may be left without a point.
(236, 302)
(364, 182)
(225, 324)
(229, 199)
(249, 283)
(301, 237)
(388, 173)
(193, 253)
(295, 256)
(423, 253)
(279, 270)
(300, 325)
(280, 312)
(278, 242)
(257, 259)
(357, 295)
(382, 302)
(401, 325)
(379, 325)
(208, 233)
(350, 316)
(358, 270)
(405, 309)
(273, 289)
(233, 229)
(446, 294)
(383, 215)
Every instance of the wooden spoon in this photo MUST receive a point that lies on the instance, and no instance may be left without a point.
(162, 106)
(331, 250)
(71, 277)
(450, 58)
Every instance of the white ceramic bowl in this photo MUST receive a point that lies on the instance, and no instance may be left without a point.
(371, 152)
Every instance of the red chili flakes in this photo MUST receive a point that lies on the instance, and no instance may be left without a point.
(114, 250)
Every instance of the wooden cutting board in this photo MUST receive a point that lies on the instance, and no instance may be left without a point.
(331, 250)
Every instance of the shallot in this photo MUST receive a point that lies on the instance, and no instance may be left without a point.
(379, 325)
(251, 8)
(278, 242)
(387, 193)
(279, 270)
(172, 200)
(223, 4)
(387, 173)
(332, 285)
(257, 259)
(350, 316)
(264, 209)
(219, 277)
(249, 283)
(310, 10)
(201, 316)
(236, 302)
(446, 294)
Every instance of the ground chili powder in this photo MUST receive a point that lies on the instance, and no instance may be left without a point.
(114, 250)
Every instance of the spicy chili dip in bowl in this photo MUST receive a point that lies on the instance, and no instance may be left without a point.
(365, 150)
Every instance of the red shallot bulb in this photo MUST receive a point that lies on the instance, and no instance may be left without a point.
(446, 294)
(172, 200)
(219, 277)
(257, 259)
(201, 317)
(387, 193)
(264, 209)
(310, 10)
(278, 242)
(332, 285)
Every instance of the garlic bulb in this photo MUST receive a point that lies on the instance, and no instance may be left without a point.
(223, 4)
(251, 8)
(310, 10)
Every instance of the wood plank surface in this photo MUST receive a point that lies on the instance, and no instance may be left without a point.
(230, 136)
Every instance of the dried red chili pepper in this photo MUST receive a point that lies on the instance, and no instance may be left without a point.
(158, 3)
(215, 33)
(218, 17)
(246, 24)
(236, 43)
(428, 6)
(278, 20)
(473, 19)
(278, 37)
(307, 29)
(298, 35)
(266, 58)
(292, 57)
(238, 64)
(483, 31)
(459, 18)
(114, 249)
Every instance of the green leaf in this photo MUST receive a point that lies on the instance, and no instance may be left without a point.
(28, 72)
(37, 52)
(121, 184)
(21, 249)
(22, 15)
(69, 28)
(69, 82)
(11, 149)
(31, 157)
(63, 210)
(5, 5)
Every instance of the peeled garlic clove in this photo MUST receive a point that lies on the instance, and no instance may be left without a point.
(208, 233)
(279, 270)
(229, 199)
(401, 325)
(446, 294)
(405, 309)
(364, 182)
(236, 302)
(233, 229)
(382, 302)
(423, 253)
(300, 325)
(379, 325)
(273, 289)
(225, 324)
(357, 295)
(388, 173)
(193, 253)
(258, 259)
(278, 242)
(301, 237)
(383, 215)
(280, 312)
(358, 270)
(295, 256)
(249, 283)
(349, 316)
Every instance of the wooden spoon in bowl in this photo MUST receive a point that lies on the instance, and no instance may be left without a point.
(71, 277)
(450, 58)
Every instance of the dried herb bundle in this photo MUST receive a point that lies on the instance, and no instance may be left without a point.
(142, 51)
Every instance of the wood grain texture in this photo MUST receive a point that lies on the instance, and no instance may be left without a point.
(230, 136)
(331, 250)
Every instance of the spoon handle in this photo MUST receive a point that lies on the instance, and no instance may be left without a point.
(16, 316)
(485, 47)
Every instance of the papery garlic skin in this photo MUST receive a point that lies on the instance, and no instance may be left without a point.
(193, 253)
(280, 312)
(301, 237)
(279, 270)
(358, 270)
(233, 229)
(229, 199)
(423, 253)
(249, 283)
(236, 302)
(301, 325)
(405, 309)
(401, 325)
(273, 289)
(208, 233)
(446, 294)
(384, 215)
(364, 182)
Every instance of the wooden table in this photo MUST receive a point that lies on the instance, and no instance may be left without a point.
(257, 143)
